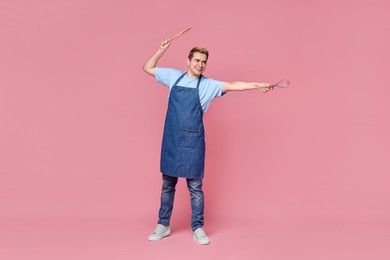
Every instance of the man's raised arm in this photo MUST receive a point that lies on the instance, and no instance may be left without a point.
(151, 63)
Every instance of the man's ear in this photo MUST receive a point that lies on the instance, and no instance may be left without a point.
(188, 62)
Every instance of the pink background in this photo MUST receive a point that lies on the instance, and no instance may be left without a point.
(298, 173)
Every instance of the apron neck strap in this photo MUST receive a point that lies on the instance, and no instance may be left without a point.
(177, 81)
(197, 85)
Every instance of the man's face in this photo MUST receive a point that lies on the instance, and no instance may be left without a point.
(197, 65)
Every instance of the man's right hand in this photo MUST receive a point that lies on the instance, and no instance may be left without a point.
(165, 44)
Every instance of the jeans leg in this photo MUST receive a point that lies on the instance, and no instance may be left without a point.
(167, 197)
(197, 202)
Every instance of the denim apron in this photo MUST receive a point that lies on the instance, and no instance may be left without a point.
(183, 144)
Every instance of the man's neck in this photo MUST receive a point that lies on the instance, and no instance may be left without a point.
(190, 75)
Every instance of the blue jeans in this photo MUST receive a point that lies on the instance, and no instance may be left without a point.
(167, 197)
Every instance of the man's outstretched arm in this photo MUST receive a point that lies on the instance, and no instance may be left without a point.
(151, 63)
(241, 86)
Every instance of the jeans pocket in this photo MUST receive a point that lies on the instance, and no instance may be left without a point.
(189, 137)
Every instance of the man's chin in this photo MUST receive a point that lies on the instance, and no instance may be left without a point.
(196, 73)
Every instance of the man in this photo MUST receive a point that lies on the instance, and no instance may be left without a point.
(183, 145)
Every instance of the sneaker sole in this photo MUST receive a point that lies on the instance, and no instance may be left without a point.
(201, 242)
(160, 237)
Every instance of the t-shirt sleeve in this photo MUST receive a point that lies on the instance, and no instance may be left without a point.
(215, 88)
(165, 75)
(212, 89)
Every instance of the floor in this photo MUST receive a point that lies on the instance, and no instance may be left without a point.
(117, 238)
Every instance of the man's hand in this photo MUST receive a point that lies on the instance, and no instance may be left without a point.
(264, 87)
(165, 44)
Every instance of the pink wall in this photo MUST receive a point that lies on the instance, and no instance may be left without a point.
(81, 123)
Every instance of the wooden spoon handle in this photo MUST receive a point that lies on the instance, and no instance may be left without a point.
(184, 31)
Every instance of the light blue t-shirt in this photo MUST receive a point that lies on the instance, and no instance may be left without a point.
(208, 88)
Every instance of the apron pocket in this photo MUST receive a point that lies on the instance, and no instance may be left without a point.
(189, 137)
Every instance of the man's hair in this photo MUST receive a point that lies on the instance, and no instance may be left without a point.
(200, 50)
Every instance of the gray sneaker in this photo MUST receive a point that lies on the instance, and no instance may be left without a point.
(200, 237)
(159, 232)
